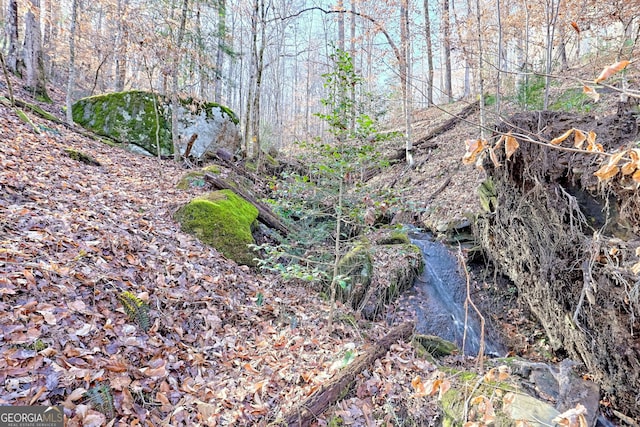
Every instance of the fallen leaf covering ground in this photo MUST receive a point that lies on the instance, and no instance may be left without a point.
(226, 346)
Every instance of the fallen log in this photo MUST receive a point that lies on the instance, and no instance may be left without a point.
(265, 215)
(445, 127)
(328, 394)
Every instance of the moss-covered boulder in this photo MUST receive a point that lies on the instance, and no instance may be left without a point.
(127, 117)
(378, 272)
(144, 120)
(356, 268)
(223, 220)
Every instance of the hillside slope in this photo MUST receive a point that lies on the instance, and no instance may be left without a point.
(225, 345)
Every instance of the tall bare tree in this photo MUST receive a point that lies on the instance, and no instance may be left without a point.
(222, 46)
(551, 13)
(427, 31)
(11, 30)
(340, 7)
(33, 56)
(72, 59)
(405, 77)
(122, 33)
(175, 72)
(446, 47)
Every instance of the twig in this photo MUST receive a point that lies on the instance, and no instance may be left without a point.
(468, 300)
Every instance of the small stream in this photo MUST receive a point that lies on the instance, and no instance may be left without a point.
(438, 299)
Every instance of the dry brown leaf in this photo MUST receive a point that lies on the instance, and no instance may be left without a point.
(611, 70)
(558, 140)
(615, 159)
(580, 138)
(574, 417)
(636, 176)
(474, 148)
(591, 93)
(445, 385)
(494, 158)
(631, 166)
(418, 386)
(511, 146)
(478, 399)
(606, 172)
(503, 372)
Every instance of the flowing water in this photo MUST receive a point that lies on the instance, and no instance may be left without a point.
(438, 299)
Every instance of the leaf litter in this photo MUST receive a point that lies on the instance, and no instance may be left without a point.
(74, 237)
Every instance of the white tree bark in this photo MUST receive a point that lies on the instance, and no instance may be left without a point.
(72, 58)
(33, 57)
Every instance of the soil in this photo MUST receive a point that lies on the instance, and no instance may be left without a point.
(568, 243)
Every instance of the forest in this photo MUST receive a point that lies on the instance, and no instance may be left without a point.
(321, 213)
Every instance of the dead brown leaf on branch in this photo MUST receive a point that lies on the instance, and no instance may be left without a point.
(477, 150)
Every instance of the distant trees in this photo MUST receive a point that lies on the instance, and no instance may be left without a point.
(265, 58)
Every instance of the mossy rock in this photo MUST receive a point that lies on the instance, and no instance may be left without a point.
(128, 117)
(378, 274)
(196, 178)
(134, 117)
(434, 345)
(223, 220)
(396, 237)
(357, 266)
(81, 157)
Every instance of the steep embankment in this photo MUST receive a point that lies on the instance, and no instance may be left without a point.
(570, 244)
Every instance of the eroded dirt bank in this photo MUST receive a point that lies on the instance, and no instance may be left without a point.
(568, 243)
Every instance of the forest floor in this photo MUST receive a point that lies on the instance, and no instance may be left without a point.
(226, 345)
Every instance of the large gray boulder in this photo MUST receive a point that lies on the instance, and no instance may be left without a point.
(144, 120)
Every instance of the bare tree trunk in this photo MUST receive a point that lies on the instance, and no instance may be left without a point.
(121, 46)
(525, 64)
(427, 30)
(33, 57)
(405, 77)
(174, 85)
(11, 30)
(222, 34)
(72, 58)
(340, 6)
(564, 63)
(480, 67)
(257, 149)
(352, 121)
(551, 18)
(500, 55)
(446, 35)
(200, 46)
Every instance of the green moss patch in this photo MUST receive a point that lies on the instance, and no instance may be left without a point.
(127, 117)
(196, 178)
(396, 237)
(223, 220)
(81, 157)
(357, 266)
